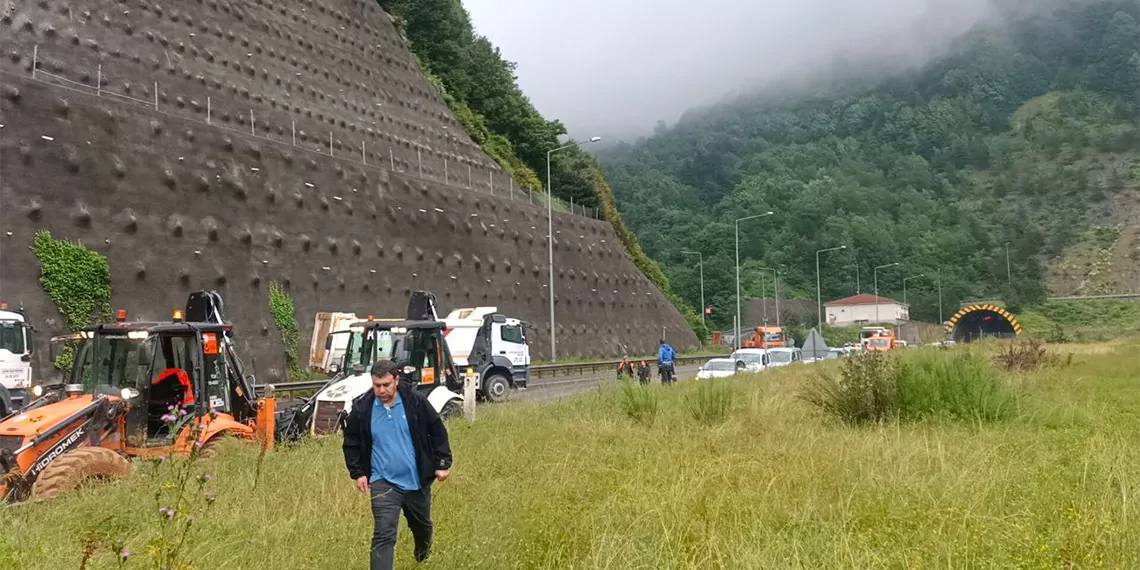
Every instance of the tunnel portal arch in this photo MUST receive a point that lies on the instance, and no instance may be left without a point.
(984, 320)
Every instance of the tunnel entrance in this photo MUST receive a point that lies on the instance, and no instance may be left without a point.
(982, 321)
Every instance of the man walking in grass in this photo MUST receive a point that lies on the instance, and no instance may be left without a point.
(395, 446)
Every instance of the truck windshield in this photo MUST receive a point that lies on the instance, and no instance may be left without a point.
(720, 365)
(880, 343)
(12, 337)
(773, 337)
(780, 356)
(749, 357)
(365, 348)
(108, 363)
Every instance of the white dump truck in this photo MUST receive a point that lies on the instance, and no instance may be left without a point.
(15, 360)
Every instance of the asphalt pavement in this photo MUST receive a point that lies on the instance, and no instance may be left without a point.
(556, 388)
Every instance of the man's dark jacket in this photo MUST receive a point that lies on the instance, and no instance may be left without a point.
(429, 436)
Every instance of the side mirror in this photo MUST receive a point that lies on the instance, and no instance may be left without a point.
(26, 358)
(334, 368)
(328, 342)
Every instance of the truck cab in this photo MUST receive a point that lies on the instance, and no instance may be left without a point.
(15, 360)
(770, 337)
(493, 346)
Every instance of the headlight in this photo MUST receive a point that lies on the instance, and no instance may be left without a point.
(37, 391)
(137, 335)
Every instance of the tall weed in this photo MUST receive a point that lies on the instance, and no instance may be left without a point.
(954, 384)
(639, 402)
(866, 390)
(917, 384)
(713, 401)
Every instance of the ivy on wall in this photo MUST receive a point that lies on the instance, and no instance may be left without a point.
(77, 280)
(281, 307)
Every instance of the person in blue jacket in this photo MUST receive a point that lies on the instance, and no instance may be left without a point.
(666, 356)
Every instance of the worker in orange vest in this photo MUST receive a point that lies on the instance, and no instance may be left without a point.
(625, 368)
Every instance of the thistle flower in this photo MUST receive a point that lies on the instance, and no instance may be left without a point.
(124, 555)
(169, 418)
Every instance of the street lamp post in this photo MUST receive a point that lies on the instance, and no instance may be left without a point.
(818, 292)
(895, 264)
(1008, 272)
(701, 261)
(737, 224)
(776, 290)
(550, 236)
(940, 321)
(905, 279)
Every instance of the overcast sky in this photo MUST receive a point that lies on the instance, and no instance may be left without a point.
(616, 67)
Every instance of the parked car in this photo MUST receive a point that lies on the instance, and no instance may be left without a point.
(778, 357)
(719, 368)
(754, 359)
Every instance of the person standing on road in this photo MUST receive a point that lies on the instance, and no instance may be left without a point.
(643, 372)
(666, 356)
(625, 368)
(395, 447)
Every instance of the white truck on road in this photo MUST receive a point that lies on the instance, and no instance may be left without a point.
(15, 360)
(492, 345)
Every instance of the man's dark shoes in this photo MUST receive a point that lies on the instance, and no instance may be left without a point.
(422, 555)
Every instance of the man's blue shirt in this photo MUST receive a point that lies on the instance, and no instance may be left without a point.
(393, 455)
(665, 355)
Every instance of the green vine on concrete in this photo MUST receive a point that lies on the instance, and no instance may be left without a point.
(281, 307)
(77, 280)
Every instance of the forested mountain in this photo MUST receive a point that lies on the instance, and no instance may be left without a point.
(1025, 133)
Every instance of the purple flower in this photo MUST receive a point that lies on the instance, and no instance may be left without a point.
(190, 518)
(124, 555)
(165, 511)
(182, 412)
(169, 418)
(209, 477)
(197, 445)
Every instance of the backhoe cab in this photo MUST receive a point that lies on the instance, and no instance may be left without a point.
(135, 389)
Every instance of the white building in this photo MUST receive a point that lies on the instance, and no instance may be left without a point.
(865, 308)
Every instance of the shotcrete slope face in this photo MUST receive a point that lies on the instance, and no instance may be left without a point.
(287, 141)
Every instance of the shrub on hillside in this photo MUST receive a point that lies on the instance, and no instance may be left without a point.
(713, 401)
(639, 402)
(874, 387)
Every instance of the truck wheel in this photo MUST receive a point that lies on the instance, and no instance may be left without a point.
(496, 387)
(77, 467)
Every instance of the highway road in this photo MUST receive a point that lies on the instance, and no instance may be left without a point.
(556, 388)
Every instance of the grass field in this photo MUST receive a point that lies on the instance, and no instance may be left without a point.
(578, 484)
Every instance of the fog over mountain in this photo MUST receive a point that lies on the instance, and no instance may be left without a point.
(616, 67)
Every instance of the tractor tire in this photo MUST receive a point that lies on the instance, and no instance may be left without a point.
(496, 388)
(77, 467)
(452, 409)
(209, 449)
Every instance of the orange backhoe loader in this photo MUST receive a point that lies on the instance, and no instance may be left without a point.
(135, 389)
